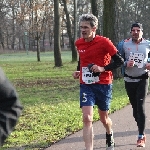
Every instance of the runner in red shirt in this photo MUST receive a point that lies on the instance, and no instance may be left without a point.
(95, 73)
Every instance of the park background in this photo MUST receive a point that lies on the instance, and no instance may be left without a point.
(38, 56)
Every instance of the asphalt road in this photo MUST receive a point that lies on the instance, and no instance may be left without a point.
(125, 133)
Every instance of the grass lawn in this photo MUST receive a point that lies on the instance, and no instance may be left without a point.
(50, 97)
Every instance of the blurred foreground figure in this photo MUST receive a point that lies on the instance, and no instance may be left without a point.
(10, 107)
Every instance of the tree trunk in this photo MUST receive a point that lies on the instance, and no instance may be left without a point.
(95, 12)
(70, 33)
(109, 24)
(109, 15)
(57, 47)
(13, 29)
(1, 38)
(50, 36)
(75, 19)
(7, 40)
(43, 42)
(37, 37)
(38, 48)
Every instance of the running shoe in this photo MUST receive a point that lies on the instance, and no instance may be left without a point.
(110, 141)
(141, 141)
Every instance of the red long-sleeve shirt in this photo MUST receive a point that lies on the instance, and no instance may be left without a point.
(99, 52)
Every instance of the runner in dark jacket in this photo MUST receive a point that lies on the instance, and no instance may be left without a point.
(10, 107)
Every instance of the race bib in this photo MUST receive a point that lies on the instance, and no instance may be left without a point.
(138, 59)
(88, 77)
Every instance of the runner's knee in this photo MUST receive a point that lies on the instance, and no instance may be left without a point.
(105, 120)
(87, 118)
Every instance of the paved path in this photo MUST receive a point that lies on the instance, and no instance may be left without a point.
(125, 133)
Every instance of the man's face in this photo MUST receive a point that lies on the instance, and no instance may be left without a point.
(136, 33)
(86, 30)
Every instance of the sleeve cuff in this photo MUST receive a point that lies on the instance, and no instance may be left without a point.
(125, 63)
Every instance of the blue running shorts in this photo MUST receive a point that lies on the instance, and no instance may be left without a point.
(96, 94)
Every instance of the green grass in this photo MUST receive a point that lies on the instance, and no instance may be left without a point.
(50, 97)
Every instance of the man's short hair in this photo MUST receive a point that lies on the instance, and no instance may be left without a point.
(137, 24)
(91, 18)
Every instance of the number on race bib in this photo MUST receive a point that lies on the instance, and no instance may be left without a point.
(138, 59)
(88, 77)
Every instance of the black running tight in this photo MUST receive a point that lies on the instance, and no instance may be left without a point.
(137, 92)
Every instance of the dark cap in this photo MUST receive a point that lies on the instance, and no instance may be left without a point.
(137, 24)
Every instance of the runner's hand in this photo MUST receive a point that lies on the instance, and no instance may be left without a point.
(96, 68)
(76, 74)
(147, 66)
(130, 63)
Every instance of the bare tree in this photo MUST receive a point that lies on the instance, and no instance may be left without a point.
(57, 49)
(109, 22)
(1, 38)
(1, 34)
(70, 31)
(75, 19)
(94, 8)
(19, 16)
(33, 15)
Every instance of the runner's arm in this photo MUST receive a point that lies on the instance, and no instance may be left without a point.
(117, 62)
(78, 67)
